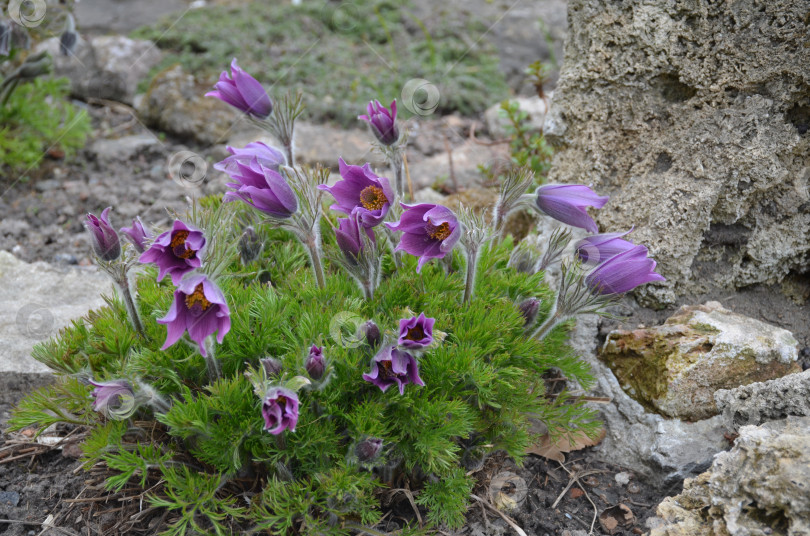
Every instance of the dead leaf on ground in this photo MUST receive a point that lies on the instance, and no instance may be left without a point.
(566, 442)
(616, 518)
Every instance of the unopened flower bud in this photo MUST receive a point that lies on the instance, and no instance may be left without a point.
(529, 309)
(315, 363)
(368, 449)
(372, 333)
(104, 239)
(250, 246)
(5, 38)
(69, 37)
(272, 367)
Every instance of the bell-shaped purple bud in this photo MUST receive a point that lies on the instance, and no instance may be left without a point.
(429, 231)
(372, 333)
(623, 272)
(315, 363)
(349, 239)
(105, 240)
(383, 121)
(114, 399)
(272, 367)
(528, 310)
(280, 410)
(138, 234)
(243, 92)
(599, 248)
(69, 37)
(267, 156)
(393, 367)
(567, 203)
(263, 189)
(176, 252)
(416, 332)
(368, 449)
(250, 245)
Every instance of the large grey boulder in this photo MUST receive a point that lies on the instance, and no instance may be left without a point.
(694, 118)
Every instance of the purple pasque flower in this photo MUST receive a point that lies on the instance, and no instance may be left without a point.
(176, 252)
(383, 121)
(567, 203)
(368, 449)
(349, 239)
(199, 308)
(361, 192)
(315, 364)
(113, 398)
(267, 156)
(242, 91)
(263, 189)
(623, 272)
(416, 332)
(104, 239)
(280, 410)
(429, 231)
(137, 234)
(392, 366)
(598, 248)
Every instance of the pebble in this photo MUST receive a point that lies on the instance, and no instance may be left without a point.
(623, 478)
(65, 258)
(9, 498)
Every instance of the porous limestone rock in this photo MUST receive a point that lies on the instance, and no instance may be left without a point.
(694, 117)
(760, 487)
(765, 401)
(676, 368)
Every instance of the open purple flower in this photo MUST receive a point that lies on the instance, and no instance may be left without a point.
(280, 410)
(315, 364)
(137, 234)
(267, 156)
(113, 399)
(429, 231)
(393, 367)
(242, 91)
(176, 252)
(623, 272)
(567, 203)
(383, 121)
(416, 332)
(350, 240)
(105, 240)
(598, 248)
(361, 192)
(263, 189)
(199, 307)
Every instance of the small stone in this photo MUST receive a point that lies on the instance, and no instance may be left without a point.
(9, 498)
(623, 478)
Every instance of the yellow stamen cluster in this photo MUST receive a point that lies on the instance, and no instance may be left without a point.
(179, 239)
(198, 297)
(372, 198)
(439, 233)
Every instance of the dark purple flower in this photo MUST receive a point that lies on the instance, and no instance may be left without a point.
(105, 240)
(361, 192)
(383, 121)
(114, 398)
(372, 333)
(263, 189)
(349, 239)
(5, 38)
(199, 307)
(368, 449)
(416, 332)
(315, 363)
(267, 156)
(598, 248)
(528, 310)
(280, 410)
(272, 367)
(623, 272)
(393, 367)
(567, 202)
(176, 252)
(137, 234)
(429, 231)
(242, 91)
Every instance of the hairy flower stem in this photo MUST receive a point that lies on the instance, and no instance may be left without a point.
(398, 167)
(313, 244)
(555, 318)
(289, 149)
(469, 279)
(129, 302)
(214, 370)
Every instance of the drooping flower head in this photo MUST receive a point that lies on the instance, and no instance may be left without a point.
(114, 399)
(199, 308)
(243, 92)
(383, 121)
(272, 366)
(623, 272)
(372, 333)
(529, 308)
(104, 239)
(429, 231)
(262, 188)
(393, 367)
(138, 234)
(598, 248)
(361, 192)
(280, 410)
(176, 252)
(368, 449)
(315, 363)
(349, 239)
(567, 203)
(416, 332)
(267, 156)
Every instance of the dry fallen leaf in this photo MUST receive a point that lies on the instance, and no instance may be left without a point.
(616, 518)
(567, 442)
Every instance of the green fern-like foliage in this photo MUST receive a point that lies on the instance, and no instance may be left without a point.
(483, 383)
